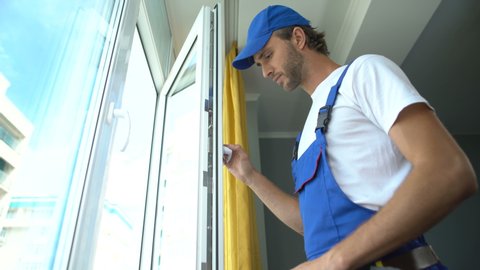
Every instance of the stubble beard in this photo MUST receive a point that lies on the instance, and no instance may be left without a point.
(293, 68)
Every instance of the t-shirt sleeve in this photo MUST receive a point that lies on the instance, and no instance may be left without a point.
(382, 90)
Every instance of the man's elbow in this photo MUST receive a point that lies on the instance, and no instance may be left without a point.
(472, 187)
(465, 179)
(299, 229)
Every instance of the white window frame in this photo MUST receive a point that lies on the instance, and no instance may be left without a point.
(82, 235)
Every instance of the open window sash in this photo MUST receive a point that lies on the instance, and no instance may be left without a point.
(188, 225)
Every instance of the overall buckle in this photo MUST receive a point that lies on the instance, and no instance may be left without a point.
(323, 119)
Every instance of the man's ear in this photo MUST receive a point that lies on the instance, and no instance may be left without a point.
(299, 38)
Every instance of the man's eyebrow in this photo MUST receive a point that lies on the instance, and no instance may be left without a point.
(260, 56)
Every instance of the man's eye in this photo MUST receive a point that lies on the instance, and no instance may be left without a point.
(268, 56)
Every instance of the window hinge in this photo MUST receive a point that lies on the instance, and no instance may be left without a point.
(208, 106)
(205, 178)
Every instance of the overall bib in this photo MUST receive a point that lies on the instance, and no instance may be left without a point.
(328, 215)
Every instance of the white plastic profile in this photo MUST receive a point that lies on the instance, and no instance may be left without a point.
(121, 114)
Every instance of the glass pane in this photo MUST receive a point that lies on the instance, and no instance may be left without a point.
(120, 232)
(52, 53)
(180, 179)
(158, 17)
(186, 76)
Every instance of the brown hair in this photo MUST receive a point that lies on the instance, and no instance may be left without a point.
(315, 40)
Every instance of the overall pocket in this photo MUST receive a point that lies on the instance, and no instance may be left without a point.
(305, 168)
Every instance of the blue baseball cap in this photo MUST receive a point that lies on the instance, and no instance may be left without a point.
(261, 28)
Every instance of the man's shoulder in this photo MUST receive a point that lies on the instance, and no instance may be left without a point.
(370, 59)
(371, 64)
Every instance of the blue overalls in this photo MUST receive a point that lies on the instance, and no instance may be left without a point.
(328, 215)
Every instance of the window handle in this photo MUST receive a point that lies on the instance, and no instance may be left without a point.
(122, 114)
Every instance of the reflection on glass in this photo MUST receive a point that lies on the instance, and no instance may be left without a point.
(186, 76)
(119, 240)
(50, 54)
(179, 179)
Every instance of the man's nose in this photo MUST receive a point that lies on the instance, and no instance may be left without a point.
(267, 71)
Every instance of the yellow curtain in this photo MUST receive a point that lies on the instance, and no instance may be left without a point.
(240, 238)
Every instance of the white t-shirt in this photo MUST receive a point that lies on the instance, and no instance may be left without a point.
(365, 162)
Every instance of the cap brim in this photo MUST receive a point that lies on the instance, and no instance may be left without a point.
(244, 59)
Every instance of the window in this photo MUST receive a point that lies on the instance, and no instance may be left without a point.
(7, 137)
(5, 169)
(54, 57)
(188, 230)
(121, 225)
(99, 169)
(180, 181)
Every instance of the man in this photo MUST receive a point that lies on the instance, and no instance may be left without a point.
(390, 170)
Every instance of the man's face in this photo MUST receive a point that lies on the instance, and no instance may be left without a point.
(281, 62)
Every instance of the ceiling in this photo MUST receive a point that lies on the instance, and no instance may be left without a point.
(434, 41)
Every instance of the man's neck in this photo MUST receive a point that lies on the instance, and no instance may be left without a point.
(318, 67)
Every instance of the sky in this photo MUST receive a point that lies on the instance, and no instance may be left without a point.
(47, 57)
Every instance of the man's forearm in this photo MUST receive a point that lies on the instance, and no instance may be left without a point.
(283, 206)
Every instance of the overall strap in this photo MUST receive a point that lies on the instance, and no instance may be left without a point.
(324, 113)
(295, 148)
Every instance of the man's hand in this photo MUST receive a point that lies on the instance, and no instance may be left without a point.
(282, 205)
(239, 164)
